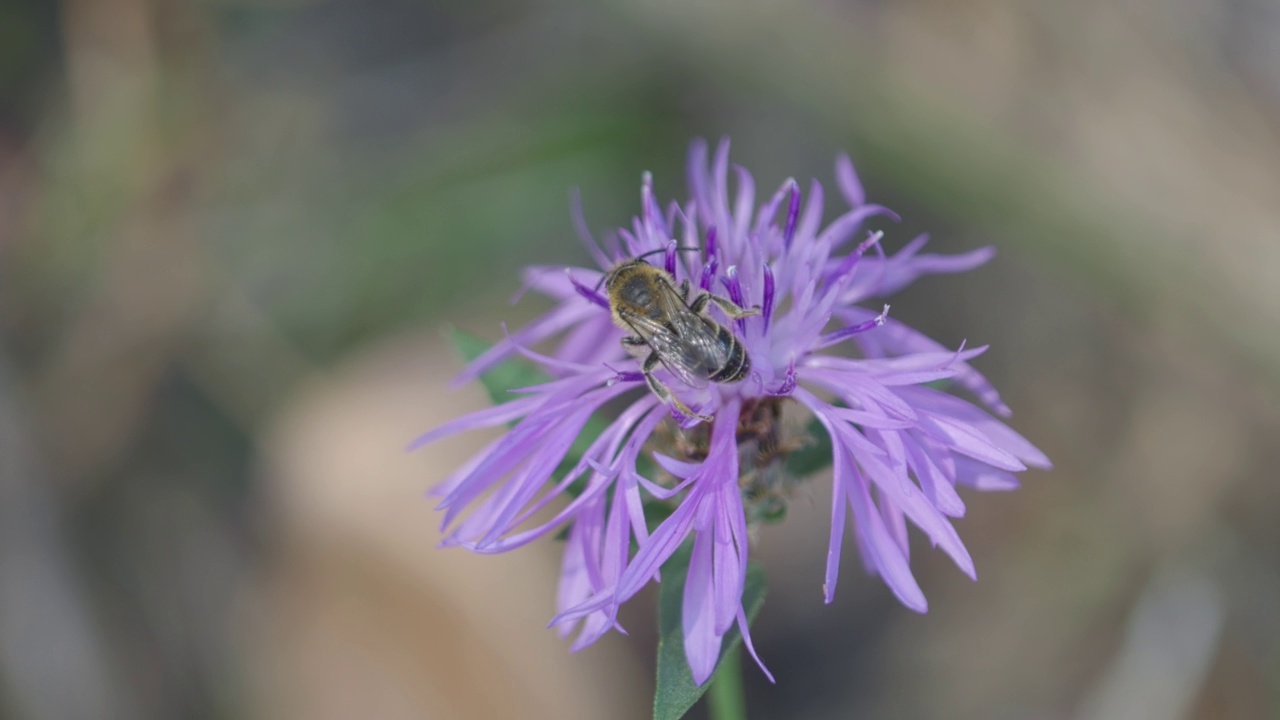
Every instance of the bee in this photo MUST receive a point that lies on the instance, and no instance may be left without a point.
(674, 332)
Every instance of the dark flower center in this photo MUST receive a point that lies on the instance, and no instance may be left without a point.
(769, 431)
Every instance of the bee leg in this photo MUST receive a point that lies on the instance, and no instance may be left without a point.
(730, 308)
(635, 346)
(663, 392)
(684, 290)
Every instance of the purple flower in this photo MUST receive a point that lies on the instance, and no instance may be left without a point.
(900, 445)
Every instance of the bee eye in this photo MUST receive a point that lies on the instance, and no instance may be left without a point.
(637, 295)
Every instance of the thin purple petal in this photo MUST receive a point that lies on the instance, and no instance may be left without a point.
(847, 179)
(793, 214)
(697, 614)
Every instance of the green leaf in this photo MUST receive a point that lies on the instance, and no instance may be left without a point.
(500, 380)
(656, 512)
(813, 457)
(676, 692)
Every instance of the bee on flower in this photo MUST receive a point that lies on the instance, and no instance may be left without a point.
(719, 320)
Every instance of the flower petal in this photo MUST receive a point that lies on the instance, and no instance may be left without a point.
(885, 553)
(997, 432)
(561, 318)
(701, 642)
(745, 629)
(847, 179)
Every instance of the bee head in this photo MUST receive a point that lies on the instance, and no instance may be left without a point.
(632, 264)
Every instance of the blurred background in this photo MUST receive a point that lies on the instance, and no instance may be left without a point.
(231, 232)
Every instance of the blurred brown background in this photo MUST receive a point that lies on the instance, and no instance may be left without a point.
(231, 230)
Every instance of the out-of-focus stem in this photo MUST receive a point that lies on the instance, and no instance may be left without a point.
(725, 699)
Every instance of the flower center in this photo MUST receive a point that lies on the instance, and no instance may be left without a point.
(767, 435)
(768, 432)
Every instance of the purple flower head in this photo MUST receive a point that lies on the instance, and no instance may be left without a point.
(818, 350)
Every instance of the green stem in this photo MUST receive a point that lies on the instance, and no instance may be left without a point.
(725, 700)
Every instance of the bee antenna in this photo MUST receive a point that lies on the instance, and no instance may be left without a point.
(687, 248)
(642, 256)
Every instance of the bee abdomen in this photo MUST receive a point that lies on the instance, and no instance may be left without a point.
(737, 365)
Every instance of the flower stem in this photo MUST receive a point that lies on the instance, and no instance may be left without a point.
(725, 700)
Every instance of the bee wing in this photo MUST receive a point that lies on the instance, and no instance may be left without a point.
(698, 337)
(686, 343)
(681, 348)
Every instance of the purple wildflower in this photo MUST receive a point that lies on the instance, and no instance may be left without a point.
(900, 445)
